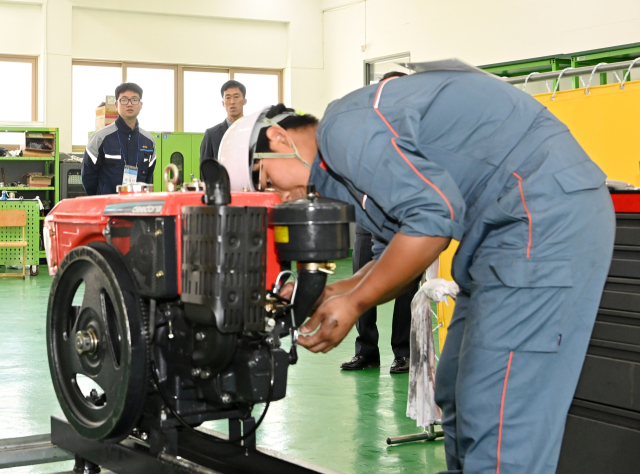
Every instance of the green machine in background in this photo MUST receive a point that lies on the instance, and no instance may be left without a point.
(180, 148)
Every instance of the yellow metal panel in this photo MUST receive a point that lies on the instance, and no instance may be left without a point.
(445, 312)
(606, 123)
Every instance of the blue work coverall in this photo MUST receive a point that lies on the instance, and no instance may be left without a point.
(466, 156)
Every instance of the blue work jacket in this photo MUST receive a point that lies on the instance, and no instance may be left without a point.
(107, 152)
(430, 154)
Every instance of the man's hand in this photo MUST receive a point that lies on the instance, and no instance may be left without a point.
(404, 260)
(336, 316)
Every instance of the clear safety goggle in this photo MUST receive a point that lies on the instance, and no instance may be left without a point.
(270, 155)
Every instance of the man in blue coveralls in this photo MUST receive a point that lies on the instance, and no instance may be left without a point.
(448, 154)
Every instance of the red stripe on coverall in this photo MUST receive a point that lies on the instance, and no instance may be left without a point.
(393, 140)
(524, 204)
(504, 392)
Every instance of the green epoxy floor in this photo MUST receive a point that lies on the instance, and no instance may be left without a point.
(335, 419)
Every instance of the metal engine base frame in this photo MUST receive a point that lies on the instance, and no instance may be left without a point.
(195, 454)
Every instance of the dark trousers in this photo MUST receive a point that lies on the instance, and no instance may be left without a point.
(367, 340)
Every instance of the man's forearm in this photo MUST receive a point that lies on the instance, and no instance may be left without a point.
(344, 286)
(402, 262)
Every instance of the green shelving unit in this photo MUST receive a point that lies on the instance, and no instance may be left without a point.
(606, 55)
(51, 165)
(27, 188)
(558, 62)
(528, 66)
(13, 256)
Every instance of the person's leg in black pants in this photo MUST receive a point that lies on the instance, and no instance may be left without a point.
(367, 340)
(367, 351)
(401, 326)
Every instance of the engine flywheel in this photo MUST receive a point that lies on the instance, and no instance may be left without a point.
(99, 340)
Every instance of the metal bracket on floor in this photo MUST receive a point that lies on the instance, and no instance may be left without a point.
(429, 434)
(29, 450)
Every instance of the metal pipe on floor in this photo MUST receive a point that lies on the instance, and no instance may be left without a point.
(429, 434)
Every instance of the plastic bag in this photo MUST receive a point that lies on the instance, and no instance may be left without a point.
(421, 405)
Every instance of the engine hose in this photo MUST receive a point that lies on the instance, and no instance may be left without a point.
(311, 284)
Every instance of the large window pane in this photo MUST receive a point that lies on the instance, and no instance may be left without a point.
(17, 88)
(91, 85)
(158, 98)
(202, 100)
(262, 90)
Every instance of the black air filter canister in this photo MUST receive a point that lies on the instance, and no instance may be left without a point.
(312, 229)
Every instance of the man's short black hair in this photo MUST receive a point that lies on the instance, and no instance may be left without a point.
(393, 74)
(294, 121)
(231, 84)
(128, 86)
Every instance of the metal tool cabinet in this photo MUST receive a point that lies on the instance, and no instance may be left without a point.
(603, 425)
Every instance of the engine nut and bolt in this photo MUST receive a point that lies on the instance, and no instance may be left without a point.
(163, 415)
(226, 398)
(86, 341)
(144, 436)
(270, 323)
(200, 336)
(195, 371)
(205, 374)
(269, 340)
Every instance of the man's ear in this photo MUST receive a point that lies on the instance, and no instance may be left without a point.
(244, 102)
(278, 140)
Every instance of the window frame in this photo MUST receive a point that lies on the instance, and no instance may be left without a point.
(33, 60)
(182, 70)
(370, 63)
(262, 71)
(178, 80)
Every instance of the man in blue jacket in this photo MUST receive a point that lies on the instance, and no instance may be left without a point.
(121, 152)
(452, 154)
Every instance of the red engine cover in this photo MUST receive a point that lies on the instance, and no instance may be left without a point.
(75, 222)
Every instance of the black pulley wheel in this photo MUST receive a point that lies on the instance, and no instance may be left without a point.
(103, 340)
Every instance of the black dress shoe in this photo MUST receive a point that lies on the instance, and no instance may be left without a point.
(359, 362)
(400, 365)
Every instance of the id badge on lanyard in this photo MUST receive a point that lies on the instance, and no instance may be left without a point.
(130, 174)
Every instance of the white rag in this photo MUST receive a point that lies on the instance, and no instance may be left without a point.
(421, 405)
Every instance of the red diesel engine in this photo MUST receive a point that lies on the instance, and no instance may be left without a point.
(164, 311)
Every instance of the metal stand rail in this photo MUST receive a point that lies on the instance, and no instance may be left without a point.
(197, 454)
(29, 450)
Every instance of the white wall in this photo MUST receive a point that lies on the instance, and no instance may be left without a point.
(478, 32)
(275, 34)
(317, 42)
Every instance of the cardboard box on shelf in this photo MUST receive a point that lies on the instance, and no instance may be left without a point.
(38, 144)
(105, 120)
(37, 153)
(108, 107)
(38, 180)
